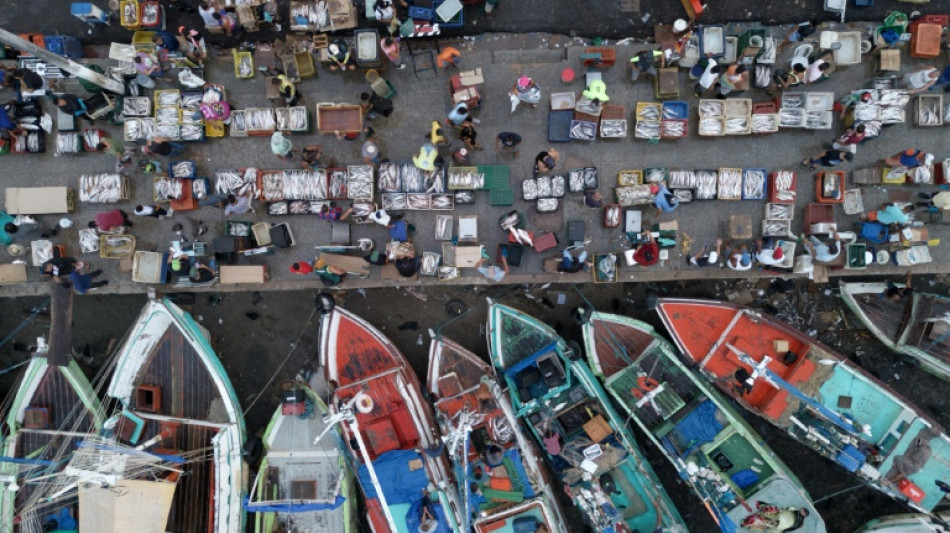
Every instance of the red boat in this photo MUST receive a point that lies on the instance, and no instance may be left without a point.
(389, 430)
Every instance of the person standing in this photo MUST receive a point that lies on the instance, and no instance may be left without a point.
(663, 199)
(281, 146)
(546, 161)
(207, 11)
(493, 272)
(340, 57)
(459, 114)
(162, 146)
(111, 220)
(122, 156)
(71, 104)
(645, 62)
(153, 211)
(850, 139)
(189, 229)
(708, 78)
(449, 56)
(370, 150)
(287, 89)
(940, 200)
(238, 205)
(468, 135)
(390, 47)
(571, 264)
(374, 105)
(507, 143)
(922, 79)
(735, 78)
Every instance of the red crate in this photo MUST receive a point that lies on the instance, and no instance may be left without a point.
(940, 20)
(545, 241)
(764, 108)
(773, 189)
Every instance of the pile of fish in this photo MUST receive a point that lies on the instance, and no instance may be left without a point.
(199, 189)
(169, 131)
(69, 143)
(791, 118)
(763, 76)
(278, 208)
(738, 126)
(100, 188)
(305, 207)
(892, 115)
(237, 182)
(136, 106)
(929, 112)
(130, 14)
(543, 187)
(306, 16)
(302, 184)
(920, 175)
(167, 115)
(793, 101)
(362, 209)
(418, 201)
(529, 189)
(389, 179)
(169, 98)
(464, 197)
(707, 182)
(820, 120)
(360, 182)
(462, 178)
(783, 183)
(183, 169)
(654, 175)
(779, 211)
(682, 179)
(893, 97)
(612, 216)
(212, 93)
(674, 111)
(683, 196)
(443, 227)
(776, 228)
(634, 195)
(260, 119)
(434, 181)
(150, 14)
(192, 132)
(575, 180)
(245, 65)
(238, 123)
(430, 264)
(753, 184)
(393, 201)
(866, 111)
(711, 108)
(583, 131)
(88, 240)
(730, 184)
(711, 126)
(272, 185)
(336, 184)
(647, 129)
(238, 229)
(547, 205)
(32, 142)
(590, 177)
(626, 178)
(613, 128)
(648, 111)
(136, 129)
(442, 202)
(168, 188)
(673, 128)
(764, 123)
(191, 100)
(291, 118)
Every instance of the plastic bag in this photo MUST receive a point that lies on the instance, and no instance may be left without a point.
(514, 101)
(187, 78)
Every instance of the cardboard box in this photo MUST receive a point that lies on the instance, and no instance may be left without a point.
(38, 200)
(415, 464)
(780, 346)
(12, 273)
(243, 274)
(471, 77)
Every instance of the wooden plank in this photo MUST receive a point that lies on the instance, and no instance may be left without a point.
(61, 325)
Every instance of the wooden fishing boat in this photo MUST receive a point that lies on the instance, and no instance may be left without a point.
(301, 484)
(816, 395)
(586, 442)
(719, 455)
(917, 325)
(177, 400)
(484, 436)
(908, 523)
(389, 431)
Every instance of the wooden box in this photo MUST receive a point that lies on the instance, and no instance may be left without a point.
(597, 429)
(780, 346)
(243, 274)
(12, 273)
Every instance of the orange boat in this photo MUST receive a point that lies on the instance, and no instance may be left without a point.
(389, 430)
(816, 395)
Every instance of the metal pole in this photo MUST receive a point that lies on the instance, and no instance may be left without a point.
(64, 63)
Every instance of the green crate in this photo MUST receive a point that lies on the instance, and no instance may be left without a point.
(501, 177)
(501, 197)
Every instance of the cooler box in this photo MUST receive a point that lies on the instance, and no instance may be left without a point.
(850, 458)
(910, 490)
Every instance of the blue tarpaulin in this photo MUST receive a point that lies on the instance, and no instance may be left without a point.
(414, 517)
(292, 507)
(700, 426)
(401, 484)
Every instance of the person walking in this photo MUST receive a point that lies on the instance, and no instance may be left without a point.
(921, 79)
(83, 282)
(122, 156)
(449, 56)
(164, 147)
(708, 78)
(850, 139)
(71, 104)
(827, 159)
(468, 135)
(374, 105)
(663, 199)
(281, 146)
(370, 150)
(153, 211)
(390, 47)
(939, 200)
(910, 158)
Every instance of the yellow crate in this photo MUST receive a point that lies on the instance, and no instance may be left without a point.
(214, 130)
(641, 106)
(134, 19)
(144, 40)
(116, 246)
(626, 178)
(898, 178)
(238, 56)
(159, 93)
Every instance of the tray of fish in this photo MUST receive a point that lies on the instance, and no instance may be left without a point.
(168, 98)
(819, 120)
(292, 118)
(212, 93)
(529, 189)
(299, 207)
(362, 208)
(389, 179)
(191, 100)
(394, 201)
(360, 173)
(278, 208)
(863, 111)
(464, 197)
(793, 101)
(929, 110)
(582, 130)
(238, 229)
(654, 175)
(892, 115)
(418, 201)
(449, 272)
(544, 187)
(429, 266)
(673, 129)
(763, 76)
(590, 177)
(192, 132)
(647, 129)
(91, 138)
(243, 65)
(316, 206)
(192, 118)
(613, 128)
(872, 129)
(612, 216)
(302, 184)
(681, 179)
(183, 169)
(167, 115)
(69, 143)
(683, 196)
(738, 125)
(712, 126)
(272, 185)
(765, 123)
(337, 184)
(649, 111)
(442, 202)
(434, 181)
(169, 131)
(149, 14)
(558, 186)
(625, 178)
(238, 123)
(88, 240)
(711, 108)
(776, 228)
(33, 142)
(260, 119)
(791, 118)
(634, 195)
(547, 205)
(783, 184)
(738, 107)
(359, 189)
(168, 189)
(199, 188)
(135, 129)
(136, 106)
(463, 178)
(707, 182)
(779, 211)
(893, 97)
(412, 178)
(101, 188)
(575, 180)
(730, 184)
(753, 183)
(237, 182)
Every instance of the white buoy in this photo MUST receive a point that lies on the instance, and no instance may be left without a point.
(680, 25)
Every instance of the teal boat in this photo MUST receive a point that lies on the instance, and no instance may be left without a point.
(917, 325)
(303, 483)
(718, 454)
(584, 439)
(908, 523)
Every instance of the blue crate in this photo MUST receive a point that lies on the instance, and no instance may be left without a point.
(190, 174)
(421, 13)
(765, 187)
(678, 108)
(457, 21)
(63, 45)
(559, 126)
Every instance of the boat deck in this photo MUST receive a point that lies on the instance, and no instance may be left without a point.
(453, 369)
(353, 350)
(617, 346)
(505, 522)
(390, 424)
(516, 336)
(930, 326)
(887, 317)
(60, 404)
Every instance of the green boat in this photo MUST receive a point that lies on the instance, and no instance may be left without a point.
(918, 325)
(718, 454)
(584, 439)
(908, 523)
(302, 483)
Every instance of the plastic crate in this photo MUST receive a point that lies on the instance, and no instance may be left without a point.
(421, 13)
(764, 108)
(499, 197)
(238, 57)
(676, 109)
(642, 106)
(455, 22)
(191, 169)
(64, 45)
(765, 184)
(559, 126)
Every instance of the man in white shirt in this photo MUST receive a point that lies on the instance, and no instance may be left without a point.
(381, 217)
(709, 77)
(922, 79)
(817, 70)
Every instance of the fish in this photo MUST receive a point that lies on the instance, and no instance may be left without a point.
(682, 179)
(183, 169)
(775, 228)
(199, 189)
(764, 123)
(442, 202)
(892, 115)
(136, 106)
(793, 101)
(418, 201)
(737, 126)
(272, 185)
(394, 201)
(710, 108)
(613, 128)
(706, 184)
(647, 129)
(547, 205)
(430, 263)
(557, 186)
(238, 122)
(763, 76)
(612, 215)
(389, 180)
(683, 195)
(282, 208)
(169, 131)
(590, 177)
(575, 180)
(68, 143)
(583, 130)
(730, 184)
(791, 118)
(170, 98)
(168, 188)
(544, 187)
(191, 100)
(654, 175)
(100, 188)
(673, 128)
(778, 211)
(88, 241)
(529, 189)
(245, 66)
(649, 112)
(238, 229)
(192, 132)
(337, 185)
(464, 197)
(753, 184)
(629, 177)
(711, 126)
(634, 195)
